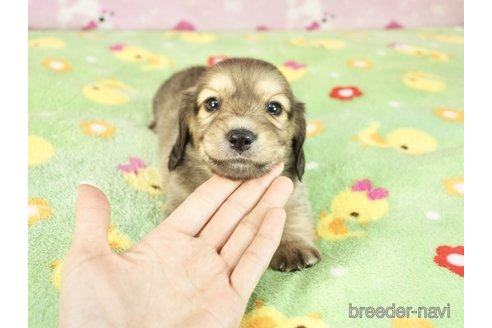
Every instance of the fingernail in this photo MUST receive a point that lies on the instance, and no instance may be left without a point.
(90, 183)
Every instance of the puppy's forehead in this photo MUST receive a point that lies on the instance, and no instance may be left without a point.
(220, 81)
(260, 81)
(269, 86)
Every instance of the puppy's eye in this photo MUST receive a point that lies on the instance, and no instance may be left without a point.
(274, 108)
(212, 104)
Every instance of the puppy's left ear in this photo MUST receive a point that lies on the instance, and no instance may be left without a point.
(298, 110)
(188, 100)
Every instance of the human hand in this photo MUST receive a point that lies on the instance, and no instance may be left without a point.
(196, 269)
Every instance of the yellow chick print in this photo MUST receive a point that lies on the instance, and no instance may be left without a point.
(411, 323)
(107, 92)
(263, 316)
(260, 36)
(56, 273)
(47, 42)
(359, 205)
(141, 177)
(192, 36)
(411, 141)
(292, 70)
(137, 55)
(433, 55)
(331, 227)
(424, 81)
(118, 242)
(444, 38)
(318, 43)
(370, 136)
(406, 140)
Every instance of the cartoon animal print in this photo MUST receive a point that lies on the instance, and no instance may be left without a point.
(147, 60)
(141, 176)
(292, 70)
(318, 43)
(406, 140)
(108, 92)
(432, 54)
(352, 209)
(192, 36)
(263, 316)
(47, 42)
(424, 81)
(444, 38)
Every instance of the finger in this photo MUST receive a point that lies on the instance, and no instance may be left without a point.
(255, 260)
(198, 208)
(240, 203)
(92, 220)
(276, 196)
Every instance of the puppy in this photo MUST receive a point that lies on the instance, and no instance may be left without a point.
(236, 119)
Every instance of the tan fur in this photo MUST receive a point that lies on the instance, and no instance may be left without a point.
(193, 143)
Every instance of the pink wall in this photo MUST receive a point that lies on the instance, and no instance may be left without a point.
(242, 14)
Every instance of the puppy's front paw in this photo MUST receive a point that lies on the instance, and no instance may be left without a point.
(294, 255)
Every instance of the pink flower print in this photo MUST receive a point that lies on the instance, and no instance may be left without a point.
(293, 64)
(135, 165)
(366, 186)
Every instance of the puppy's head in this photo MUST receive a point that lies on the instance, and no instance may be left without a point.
(242, 118)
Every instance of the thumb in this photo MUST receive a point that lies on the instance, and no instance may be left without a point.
(92, 220)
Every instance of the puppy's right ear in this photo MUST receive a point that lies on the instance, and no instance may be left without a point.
(298, 139)
(188, 103)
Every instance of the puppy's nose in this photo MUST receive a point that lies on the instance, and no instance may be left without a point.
(241, 139)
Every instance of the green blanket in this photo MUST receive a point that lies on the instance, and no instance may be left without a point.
(384, 163)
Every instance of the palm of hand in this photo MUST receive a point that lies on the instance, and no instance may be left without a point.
(198, 269)
(182, 274)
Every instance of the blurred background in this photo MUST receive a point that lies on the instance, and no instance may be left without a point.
(243, 14)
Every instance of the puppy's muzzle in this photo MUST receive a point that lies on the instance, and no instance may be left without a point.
(241, 139)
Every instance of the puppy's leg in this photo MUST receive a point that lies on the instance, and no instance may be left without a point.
(297, 249)
(177, 191)
(180, 183)
(172, 203)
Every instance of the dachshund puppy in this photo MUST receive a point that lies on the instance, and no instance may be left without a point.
(236, 119)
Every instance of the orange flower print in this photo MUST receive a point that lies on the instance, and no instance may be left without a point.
(313, 128)
(57, 65)
(98, 128)
(38, 209)
(450, 115)
(455, 186)
(360, 63)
